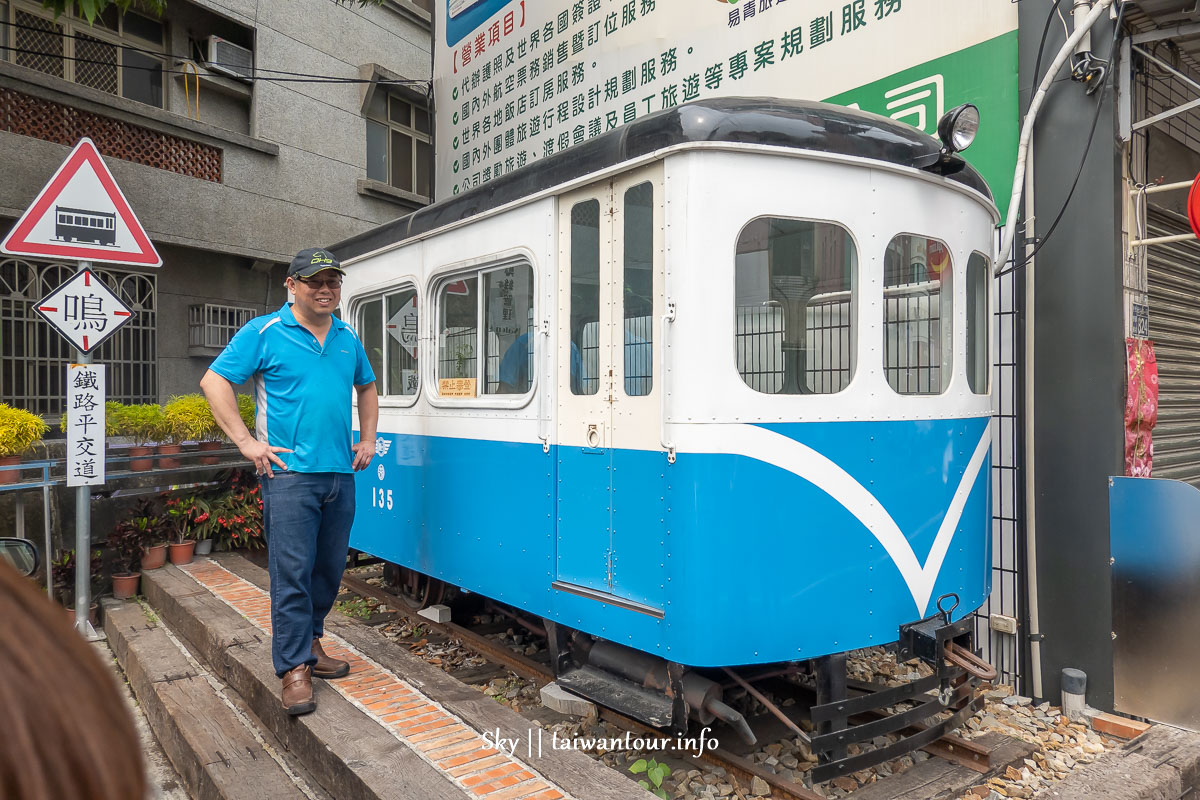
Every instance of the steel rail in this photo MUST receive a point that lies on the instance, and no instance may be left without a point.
(950, 748)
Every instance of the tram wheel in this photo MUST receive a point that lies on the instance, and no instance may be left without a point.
(416, 589)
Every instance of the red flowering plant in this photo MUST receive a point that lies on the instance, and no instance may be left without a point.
(235, 515)
(186, 516)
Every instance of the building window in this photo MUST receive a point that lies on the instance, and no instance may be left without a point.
(399, 145)
(120, 54)
(212, 325)
(34, 357)
(917, 303)
(796, 303)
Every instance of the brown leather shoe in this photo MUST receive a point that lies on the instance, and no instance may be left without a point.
(326, 666)
(298, 691)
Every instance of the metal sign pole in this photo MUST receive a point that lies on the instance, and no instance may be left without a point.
(83, 535)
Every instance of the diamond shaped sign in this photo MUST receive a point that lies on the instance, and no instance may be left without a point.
(84, 310)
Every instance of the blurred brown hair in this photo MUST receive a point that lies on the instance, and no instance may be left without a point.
(65, 729)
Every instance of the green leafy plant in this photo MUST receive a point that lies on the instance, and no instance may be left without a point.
(112, 416)
(246, 410)
(188, 418)
(20, 430)
(656, 773)
(131, 536)
(62, 573)
(356, 607)
(142, 422)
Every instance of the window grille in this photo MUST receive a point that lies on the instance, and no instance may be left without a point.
(212, 325)
(34, 357)
(119, 54)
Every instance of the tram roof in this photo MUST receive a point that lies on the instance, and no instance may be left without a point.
(797, 124)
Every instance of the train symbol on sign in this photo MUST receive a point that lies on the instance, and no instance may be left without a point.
(81, 225)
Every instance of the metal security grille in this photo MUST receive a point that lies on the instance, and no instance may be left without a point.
(39, 44)
(54, 122)
(212, 325)
(1173, 272)
(34, 357)
(95, 64)
(1004, 650)
(759, 338)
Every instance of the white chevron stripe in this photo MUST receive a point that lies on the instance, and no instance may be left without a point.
(778, 450)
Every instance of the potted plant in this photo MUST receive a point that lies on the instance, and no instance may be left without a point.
(62, 572)
(141, 422)
(235, 516)
(184, 514)
(189, 417)
(20, 430)
(246, 409)
(128, 541)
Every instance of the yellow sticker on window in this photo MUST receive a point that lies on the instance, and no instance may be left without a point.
(456, 387)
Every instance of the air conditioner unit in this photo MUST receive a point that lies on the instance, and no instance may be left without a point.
(230, 59)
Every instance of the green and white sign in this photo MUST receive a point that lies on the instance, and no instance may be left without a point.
(519, 80)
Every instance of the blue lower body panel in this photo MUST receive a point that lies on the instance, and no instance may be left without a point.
(723, 558)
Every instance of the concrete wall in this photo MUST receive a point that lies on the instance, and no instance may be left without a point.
(293, 154)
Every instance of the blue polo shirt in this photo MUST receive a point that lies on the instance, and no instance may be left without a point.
(303, 391)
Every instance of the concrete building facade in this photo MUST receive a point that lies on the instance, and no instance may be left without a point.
(239, 131)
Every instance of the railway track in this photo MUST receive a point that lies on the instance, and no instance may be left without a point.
(952, 748)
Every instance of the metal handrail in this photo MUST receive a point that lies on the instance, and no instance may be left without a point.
(47, 466)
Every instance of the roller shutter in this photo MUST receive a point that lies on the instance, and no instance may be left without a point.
(1174, 291)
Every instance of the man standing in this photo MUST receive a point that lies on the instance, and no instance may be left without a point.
(304, 362)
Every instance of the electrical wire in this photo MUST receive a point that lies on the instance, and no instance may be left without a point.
(288, 75)
(1026, 258)
(253, 79)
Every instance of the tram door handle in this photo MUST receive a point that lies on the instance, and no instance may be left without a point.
(594, 437)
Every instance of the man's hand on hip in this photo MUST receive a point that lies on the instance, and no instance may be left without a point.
(262, 455)
(364, 451)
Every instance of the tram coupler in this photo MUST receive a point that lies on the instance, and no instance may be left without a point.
(934, 639)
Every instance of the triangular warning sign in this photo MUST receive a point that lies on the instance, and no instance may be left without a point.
(82, 215)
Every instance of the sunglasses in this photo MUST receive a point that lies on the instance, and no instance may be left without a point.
(329, 283)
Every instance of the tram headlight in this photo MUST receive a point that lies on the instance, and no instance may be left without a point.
(958, 126)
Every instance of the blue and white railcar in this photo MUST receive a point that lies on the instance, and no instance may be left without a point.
(713, 385)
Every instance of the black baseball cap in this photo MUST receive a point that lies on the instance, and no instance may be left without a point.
(311, 261)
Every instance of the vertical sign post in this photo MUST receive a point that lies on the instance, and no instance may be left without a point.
(81, 214)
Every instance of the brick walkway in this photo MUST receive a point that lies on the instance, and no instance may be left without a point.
(419, 722)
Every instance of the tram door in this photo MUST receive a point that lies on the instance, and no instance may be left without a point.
(608, 417)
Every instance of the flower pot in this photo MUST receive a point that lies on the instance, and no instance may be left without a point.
(125, 585)
(154, 557)
(168, 450)
(9, 475)
(181, 552)
(91, 614)
(139, 461)
(209, 446)
(203, 547)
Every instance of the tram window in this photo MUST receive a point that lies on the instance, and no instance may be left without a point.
(638, 290)
(458, 309)
(400, 325)
(918, 299)
(796, 295)
(370, 330)
(585, 295)
(978, 324)
(508, 309)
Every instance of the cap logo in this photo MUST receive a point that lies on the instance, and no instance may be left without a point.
(320, 257)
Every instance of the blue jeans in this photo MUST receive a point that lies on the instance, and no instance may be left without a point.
(307, 518)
